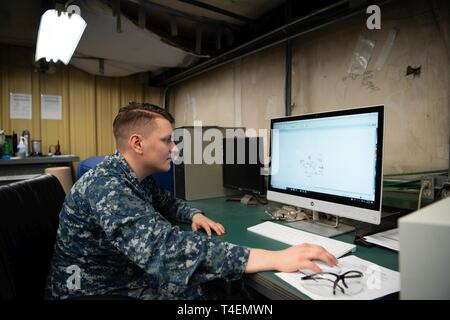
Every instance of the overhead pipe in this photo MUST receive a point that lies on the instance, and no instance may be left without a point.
(217, 10)
(225, 59)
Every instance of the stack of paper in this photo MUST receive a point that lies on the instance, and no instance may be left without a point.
(388, 239)
(376, 282)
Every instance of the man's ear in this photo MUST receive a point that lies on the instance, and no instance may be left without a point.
(135, 143)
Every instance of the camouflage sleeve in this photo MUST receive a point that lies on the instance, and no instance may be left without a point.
(170, 206)
(167, 253)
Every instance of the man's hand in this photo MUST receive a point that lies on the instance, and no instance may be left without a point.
(302, 257)
(199, 221)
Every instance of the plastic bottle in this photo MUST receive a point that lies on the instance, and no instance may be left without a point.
(21, 148)
(14, 143)
(26, 136)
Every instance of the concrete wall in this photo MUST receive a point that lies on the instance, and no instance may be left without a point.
(247, 93)
(417, 107)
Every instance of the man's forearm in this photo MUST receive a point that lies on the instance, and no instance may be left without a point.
(261, 260)
(301, 256)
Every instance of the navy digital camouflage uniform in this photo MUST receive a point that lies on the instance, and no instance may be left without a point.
(116, 230)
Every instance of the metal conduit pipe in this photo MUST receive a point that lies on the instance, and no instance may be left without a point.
(288, 80)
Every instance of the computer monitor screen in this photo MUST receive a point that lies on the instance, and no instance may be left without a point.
(243, 164)
(329, 162)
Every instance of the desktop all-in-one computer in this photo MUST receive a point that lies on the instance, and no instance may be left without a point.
(329, 162)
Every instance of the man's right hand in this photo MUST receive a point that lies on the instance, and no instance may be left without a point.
(289, 260)
(302, 256)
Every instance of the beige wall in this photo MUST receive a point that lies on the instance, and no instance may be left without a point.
(89, 103)
(417, 108)
(247, 92)
(189, 103)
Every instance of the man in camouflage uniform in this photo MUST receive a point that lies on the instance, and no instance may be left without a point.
(115, 238)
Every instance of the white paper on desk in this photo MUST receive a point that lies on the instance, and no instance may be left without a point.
(19, 106)
(388, 239)
(376, 282)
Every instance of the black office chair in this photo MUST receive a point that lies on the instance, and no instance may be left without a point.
(29, 219)
(28, 225)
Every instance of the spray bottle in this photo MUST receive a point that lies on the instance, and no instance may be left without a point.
(22, 148)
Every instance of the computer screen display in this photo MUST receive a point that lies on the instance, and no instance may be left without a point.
(330, 162)
(243, 164)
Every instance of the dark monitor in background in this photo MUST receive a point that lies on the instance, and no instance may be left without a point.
(243, 164)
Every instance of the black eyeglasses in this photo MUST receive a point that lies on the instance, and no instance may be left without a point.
(321, 281)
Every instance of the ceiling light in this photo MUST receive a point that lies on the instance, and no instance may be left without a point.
(59, 35)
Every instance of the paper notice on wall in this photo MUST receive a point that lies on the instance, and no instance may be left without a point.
(19, 106)
(361, 55)
(51, 107)
(386, 49)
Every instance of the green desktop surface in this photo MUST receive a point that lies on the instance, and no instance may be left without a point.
(237, 217)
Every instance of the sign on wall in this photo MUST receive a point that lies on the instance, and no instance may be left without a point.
(19, 106)
(51, 107)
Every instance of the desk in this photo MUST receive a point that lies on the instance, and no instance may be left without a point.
(25, 168)
(236, 218)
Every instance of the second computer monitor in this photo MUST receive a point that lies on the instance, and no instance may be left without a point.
(243, 164)
(329, 162)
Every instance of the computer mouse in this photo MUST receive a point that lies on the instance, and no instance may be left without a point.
(327, 268)
(324, 267)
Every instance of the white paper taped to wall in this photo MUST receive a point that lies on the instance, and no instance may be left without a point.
(51, 107)
(361, 55)
(386, 49)
(19, 106)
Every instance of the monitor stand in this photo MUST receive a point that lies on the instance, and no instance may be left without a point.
(321, 227)
(246, 199)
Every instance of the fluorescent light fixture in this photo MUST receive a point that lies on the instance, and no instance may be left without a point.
(58, 36)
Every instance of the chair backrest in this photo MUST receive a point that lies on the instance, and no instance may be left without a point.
(28, 225)
(165, 179)
(87, 164)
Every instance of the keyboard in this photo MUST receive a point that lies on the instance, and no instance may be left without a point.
(293, 236)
